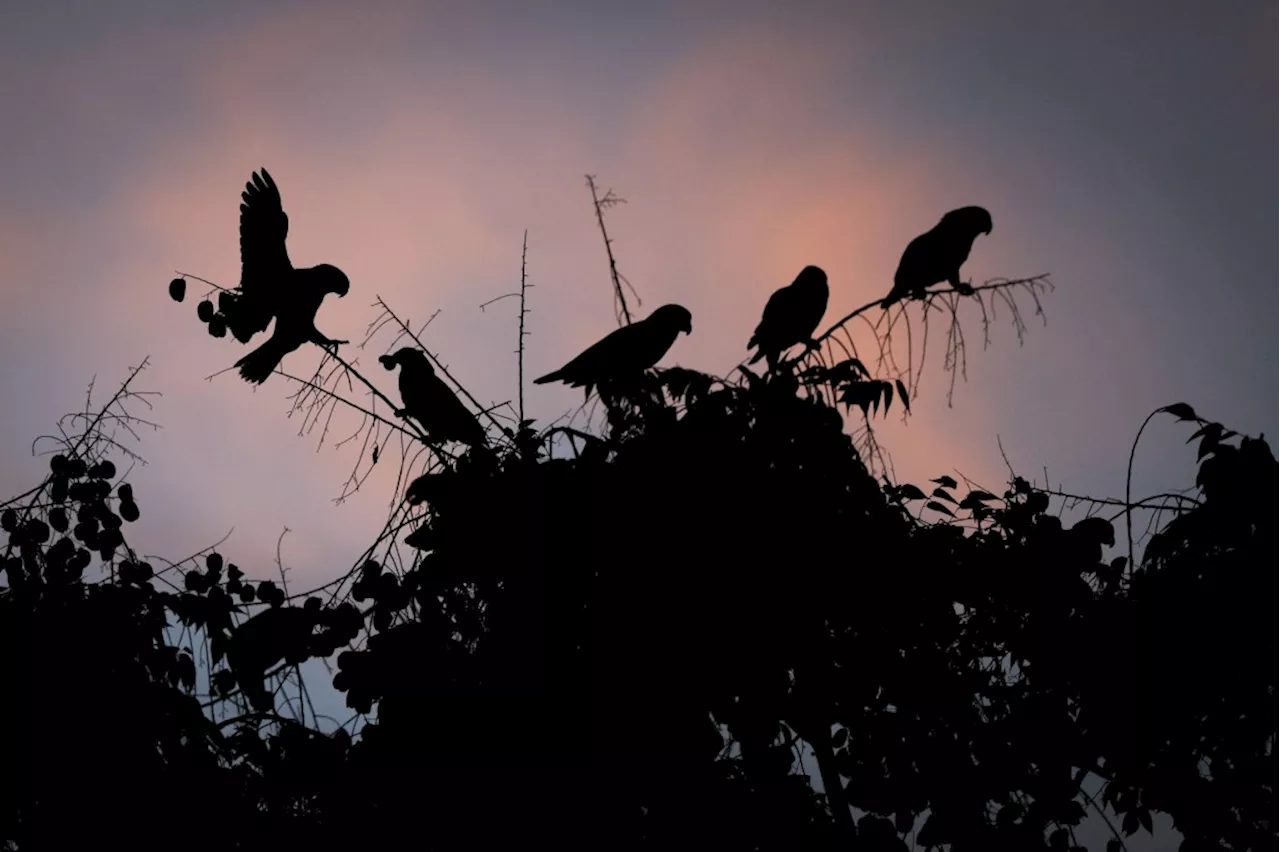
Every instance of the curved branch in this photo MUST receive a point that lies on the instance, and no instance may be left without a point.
(993, 284)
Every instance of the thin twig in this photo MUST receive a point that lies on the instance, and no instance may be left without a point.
(524, 286)
(600, 202)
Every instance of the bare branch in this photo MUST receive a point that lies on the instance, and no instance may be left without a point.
(609, 199)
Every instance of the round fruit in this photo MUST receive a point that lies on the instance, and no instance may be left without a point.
(178, 289)
(204, 310)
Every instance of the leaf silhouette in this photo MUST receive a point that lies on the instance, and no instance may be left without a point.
(1209, 429)
(1181, 410)
(910, 492)
(902, 394)
(942, 495)
(944, 481)
(938, 507)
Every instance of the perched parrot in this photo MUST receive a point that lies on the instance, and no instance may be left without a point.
(628, 351)
(429, 400)
(270, 286)
(937, 256)
(791, 315)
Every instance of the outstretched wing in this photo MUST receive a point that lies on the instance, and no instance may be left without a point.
(264, 262)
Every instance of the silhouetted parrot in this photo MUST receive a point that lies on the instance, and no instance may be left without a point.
(937, 255)
(429, 400)
(275, 634)
(628, 351)
(270, 287)
(791, 315)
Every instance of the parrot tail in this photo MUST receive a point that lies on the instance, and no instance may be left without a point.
(261, 362)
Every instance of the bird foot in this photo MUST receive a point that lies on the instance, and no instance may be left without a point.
(964, 289)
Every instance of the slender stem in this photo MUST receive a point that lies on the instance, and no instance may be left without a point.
(524, 253)
(599, 204)
(1128, 489)
(313, 386)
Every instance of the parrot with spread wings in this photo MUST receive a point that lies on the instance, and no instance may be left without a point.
(271, 287)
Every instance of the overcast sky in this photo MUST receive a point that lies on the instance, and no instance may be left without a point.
(1128, 149)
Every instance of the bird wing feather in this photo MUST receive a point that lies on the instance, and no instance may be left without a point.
(264, 260)
(604, 356)
(775, 313)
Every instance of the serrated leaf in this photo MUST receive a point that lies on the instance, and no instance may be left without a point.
(938, 507)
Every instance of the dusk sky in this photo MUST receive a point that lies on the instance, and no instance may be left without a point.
(1129, 149)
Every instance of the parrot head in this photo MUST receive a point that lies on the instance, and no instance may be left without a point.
(405, 356)
(812, 278)
(333, 279)
(676, 317)
(975, 219)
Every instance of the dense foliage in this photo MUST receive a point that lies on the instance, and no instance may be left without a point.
(625, 646)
